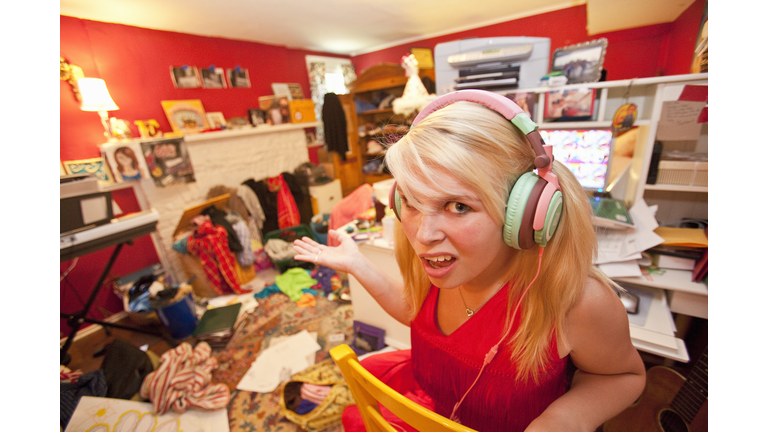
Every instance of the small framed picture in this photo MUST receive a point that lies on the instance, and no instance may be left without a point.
(216, 120)
(311, 139)
(213, 77)
(569, 105)
(185, 115)
(238, 123)
(424, 57)
(185, 77)
(582, 62)
(257, 117)
(238, 78)
(125, 161)
(94, 166)
(526, 101)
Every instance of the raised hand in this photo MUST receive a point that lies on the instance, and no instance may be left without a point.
(341, 258)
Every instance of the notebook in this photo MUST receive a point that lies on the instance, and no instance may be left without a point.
(610, 213)
(217, 320)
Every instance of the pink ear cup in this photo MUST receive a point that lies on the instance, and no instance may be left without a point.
(392, 203)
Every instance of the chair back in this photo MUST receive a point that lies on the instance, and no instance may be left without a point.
(369, 391)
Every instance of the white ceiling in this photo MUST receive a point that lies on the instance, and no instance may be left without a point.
(355, 26)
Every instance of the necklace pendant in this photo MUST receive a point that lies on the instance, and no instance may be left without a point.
(470, 312)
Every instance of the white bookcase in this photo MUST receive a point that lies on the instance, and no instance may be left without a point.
(673, 291)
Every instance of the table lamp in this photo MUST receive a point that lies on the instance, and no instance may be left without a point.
(96, 98)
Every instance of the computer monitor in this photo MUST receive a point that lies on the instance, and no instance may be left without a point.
(586, 152)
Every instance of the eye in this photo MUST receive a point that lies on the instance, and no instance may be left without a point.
(457, 207)
(404, 202)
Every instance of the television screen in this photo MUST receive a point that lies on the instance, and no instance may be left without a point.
(587, 153)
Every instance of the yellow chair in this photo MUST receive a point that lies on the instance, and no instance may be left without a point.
(368, 390)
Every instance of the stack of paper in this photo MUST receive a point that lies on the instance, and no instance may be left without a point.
(619, 251)
(278, 363)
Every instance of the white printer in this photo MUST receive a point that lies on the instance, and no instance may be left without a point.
(499, 63)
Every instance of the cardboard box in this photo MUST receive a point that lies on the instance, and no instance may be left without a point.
(302, 111)
(191, 265)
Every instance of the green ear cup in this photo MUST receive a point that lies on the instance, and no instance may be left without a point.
(551, 221)
(518, 198)
(397, 204)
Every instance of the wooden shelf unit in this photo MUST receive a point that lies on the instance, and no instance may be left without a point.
(386, 78)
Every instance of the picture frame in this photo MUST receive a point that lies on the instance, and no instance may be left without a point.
(580, 63)
(257, 117)
(366, 338)
(185, 115)
(237, 123)
(213, 78)
(125, 160)
(168, 161)
(216, 120)
(526, 101)
(311, 138)
(238, 78)
(424, 57)
(185, 76)
(569, 105)
(93, 166)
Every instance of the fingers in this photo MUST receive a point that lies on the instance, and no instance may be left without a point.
(307, 249)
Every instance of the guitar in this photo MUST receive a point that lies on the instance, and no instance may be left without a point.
(669, 403)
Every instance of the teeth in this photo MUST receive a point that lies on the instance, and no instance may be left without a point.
(439, 258)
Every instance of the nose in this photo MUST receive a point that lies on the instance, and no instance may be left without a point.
(430, 228)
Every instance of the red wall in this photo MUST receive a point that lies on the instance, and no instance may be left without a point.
(135, 63)
(633, 53)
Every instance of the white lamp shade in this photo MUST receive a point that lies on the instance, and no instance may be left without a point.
(95, 95)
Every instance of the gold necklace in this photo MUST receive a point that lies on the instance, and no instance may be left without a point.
(471, 312)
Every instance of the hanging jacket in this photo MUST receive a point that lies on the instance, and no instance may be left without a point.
(335, 125)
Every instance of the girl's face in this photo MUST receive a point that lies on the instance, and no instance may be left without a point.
(456, 239)
(123, 159)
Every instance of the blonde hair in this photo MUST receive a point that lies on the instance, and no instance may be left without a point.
(488, 154)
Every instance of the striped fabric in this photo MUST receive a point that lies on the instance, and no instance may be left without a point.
(183, 380)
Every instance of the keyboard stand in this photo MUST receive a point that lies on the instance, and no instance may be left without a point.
(116, 233)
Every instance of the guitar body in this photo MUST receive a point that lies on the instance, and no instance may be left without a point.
(654, 407)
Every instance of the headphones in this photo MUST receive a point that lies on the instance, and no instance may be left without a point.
(535, 203)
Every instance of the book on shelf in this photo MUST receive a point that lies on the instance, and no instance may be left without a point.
(672, 262)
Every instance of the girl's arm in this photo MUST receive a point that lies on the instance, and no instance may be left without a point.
(347, 258)
(611, 374)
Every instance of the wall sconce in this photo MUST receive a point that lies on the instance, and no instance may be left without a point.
(70, 73)
(95, 97)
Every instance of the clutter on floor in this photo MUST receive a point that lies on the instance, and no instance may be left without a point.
(99, 414)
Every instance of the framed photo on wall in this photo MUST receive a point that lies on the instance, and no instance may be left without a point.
(238, 78)
(185, 76)
(213, 77)
(582, 62)
(185, 115)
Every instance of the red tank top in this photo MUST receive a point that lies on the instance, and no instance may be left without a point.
(446, 366)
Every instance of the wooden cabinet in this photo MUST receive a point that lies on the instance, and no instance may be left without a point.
(373, 85)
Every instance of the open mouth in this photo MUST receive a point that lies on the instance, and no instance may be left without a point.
(441, 261)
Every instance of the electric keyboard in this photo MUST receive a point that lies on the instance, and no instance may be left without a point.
(119, 230)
